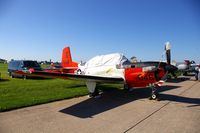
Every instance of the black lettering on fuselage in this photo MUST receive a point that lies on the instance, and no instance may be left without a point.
(145, 77)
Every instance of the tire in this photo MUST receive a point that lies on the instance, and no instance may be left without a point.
(126, 87)
(11, 75)
(79, 71)
(24, 77)
(94, 94)
(153, 96)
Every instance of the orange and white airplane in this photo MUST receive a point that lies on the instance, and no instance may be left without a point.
(111, 68)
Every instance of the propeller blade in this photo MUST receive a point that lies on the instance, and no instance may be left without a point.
(168, 52)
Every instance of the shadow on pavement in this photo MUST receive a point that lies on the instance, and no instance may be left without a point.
(181, 99)
(178, 80)
(109, 100)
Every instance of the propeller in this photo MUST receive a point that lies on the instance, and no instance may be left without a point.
(168, 52)
(169, 67)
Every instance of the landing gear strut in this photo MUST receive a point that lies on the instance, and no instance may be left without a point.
(94, 92)
(154, 94)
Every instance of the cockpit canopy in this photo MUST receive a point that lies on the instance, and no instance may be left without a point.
(115, 59)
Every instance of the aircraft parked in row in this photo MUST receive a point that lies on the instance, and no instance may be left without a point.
(111, 68)
(188, 67)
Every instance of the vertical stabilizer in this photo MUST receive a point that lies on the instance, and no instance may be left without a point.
(67, 59)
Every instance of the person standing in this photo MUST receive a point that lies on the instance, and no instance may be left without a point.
(197, 74)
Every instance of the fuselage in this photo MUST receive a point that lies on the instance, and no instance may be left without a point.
(141, 74)
(138, 77)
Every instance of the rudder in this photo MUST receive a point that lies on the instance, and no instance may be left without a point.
(67, 59)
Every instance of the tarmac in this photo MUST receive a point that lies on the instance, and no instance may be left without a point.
(116, 111)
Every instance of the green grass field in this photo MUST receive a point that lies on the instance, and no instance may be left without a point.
(17, 93)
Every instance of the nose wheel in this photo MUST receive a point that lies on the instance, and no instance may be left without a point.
(154, 94)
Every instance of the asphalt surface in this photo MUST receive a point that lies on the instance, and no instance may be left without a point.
(115, 112)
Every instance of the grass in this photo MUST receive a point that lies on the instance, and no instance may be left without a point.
(17, 93)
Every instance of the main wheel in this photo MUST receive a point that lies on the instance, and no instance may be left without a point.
(24, 77)
(11, 75)
(126, 87)
(95, 94)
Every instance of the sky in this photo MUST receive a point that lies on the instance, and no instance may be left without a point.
(40, 29)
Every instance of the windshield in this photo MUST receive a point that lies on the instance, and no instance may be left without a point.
(31, 64)
(125, 62)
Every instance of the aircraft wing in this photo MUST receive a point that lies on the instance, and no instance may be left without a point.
(73, 76)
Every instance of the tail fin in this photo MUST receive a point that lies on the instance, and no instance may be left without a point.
(67, 59)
